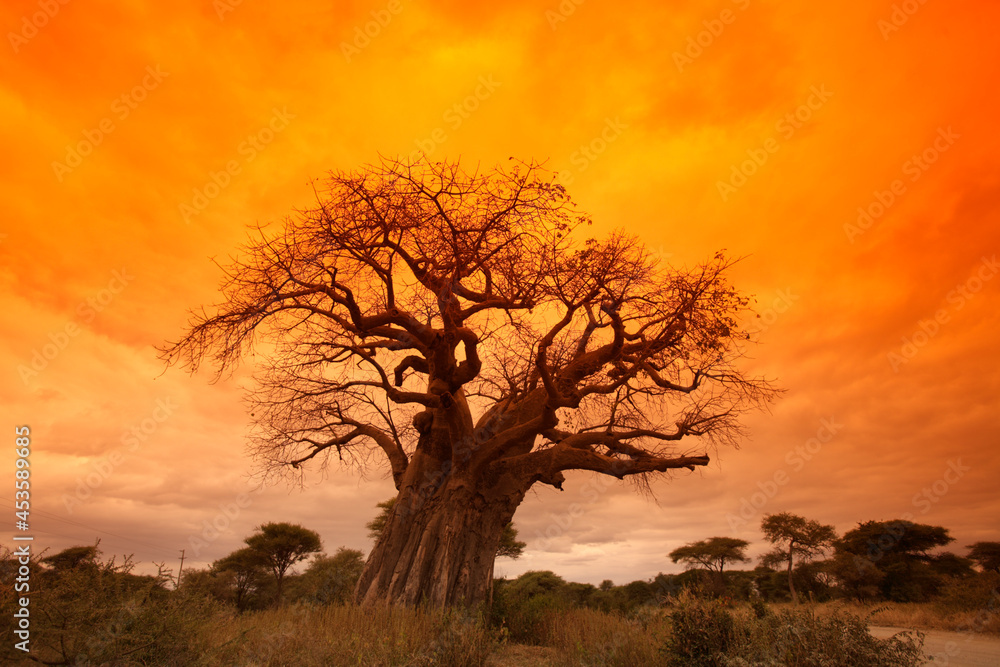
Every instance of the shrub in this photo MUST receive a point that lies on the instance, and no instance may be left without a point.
(89, 611)
(524, 607)
(706, 634)
(702, 631)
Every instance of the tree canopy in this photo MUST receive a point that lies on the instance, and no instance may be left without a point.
(246, 567)
(713, 553)
(986, 555)
(461, 328)
(795, 538)
(278, 546)
(892, 559)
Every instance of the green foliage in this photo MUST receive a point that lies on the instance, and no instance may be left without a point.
(702, 632)
(244, 571)
(890, 559)
(377, 525)
(712, 553)
(796, 540)
(278, 546)
(970, 594)
(526, 605)
(510, 546)
(709, 634)
(329, 579)
(88, 611)
(73, 557)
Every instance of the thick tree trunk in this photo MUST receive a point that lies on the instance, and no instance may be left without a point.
(441, 537)
(437, 550)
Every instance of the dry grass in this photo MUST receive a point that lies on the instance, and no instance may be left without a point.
(918, 616)
(589, 637)
(519, 655)
(341, 635)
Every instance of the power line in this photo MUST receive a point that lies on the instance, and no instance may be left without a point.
(53, 517)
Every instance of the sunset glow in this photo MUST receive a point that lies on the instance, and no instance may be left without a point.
(846, 152)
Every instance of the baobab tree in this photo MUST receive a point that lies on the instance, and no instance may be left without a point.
(507, 547)
(459, 326)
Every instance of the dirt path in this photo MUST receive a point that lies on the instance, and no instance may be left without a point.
(955, 649)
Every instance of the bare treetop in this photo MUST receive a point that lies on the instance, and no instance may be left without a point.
(463, 326)
(385, 295)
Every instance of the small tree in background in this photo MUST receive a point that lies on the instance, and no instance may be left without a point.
(986, 555)
(73, 558)
(281, 545)
(893, 557)
(795, 538)
(247, 568)
(331, 579)
(713, 554)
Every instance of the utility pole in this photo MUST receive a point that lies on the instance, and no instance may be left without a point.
(180, 569)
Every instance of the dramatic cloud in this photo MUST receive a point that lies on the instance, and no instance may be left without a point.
(847, 152)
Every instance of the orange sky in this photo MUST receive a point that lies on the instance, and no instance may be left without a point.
(120, 121)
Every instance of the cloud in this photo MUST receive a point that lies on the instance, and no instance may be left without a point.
(683, 130)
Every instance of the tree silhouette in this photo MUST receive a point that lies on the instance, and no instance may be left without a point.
(246, 567)
(331, 579)
(74, 557)
(891, 559)
(713, 554)
(986, 555)
(794, 537)
(278, 546)
(459, 326)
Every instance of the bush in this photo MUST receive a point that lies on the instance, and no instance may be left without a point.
(524, 607)
(89, 611)
(702, 632)
(705, 633)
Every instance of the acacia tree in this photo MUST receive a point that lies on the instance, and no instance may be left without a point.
(986, 555)
(459, 326)
(794, 537)
(278, 546)
(892, 559)
(713, 554)
(247, 568)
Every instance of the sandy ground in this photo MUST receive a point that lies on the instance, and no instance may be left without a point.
(955, 649)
